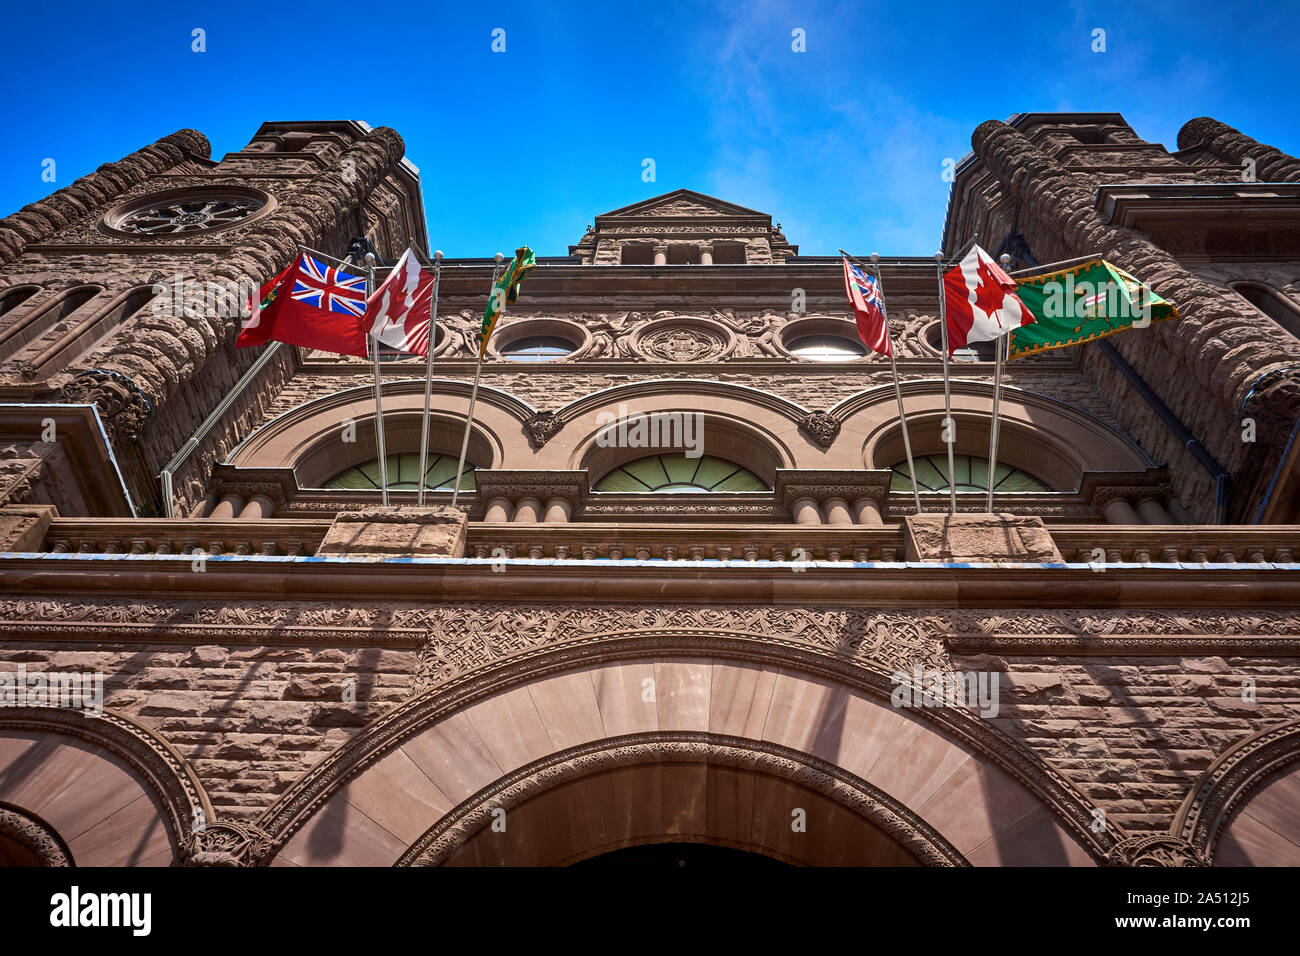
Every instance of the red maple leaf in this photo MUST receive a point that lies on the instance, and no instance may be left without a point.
(990, 294)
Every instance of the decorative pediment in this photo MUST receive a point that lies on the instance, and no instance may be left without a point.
(684, 203)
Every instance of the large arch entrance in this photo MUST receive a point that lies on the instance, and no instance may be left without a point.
(575, 759)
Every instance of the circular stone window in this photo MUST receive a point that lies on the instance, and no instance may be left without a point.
(827, 348)
(185, 211)
(537, 340)
(537, 348)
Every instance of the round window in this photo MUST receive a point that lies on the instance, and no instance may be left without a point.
(827, 348)
(537, 348)
(186, 211)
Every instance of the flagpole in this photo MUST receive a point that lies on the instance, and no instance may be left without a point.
(948, 424)
(379, 405)
(428, 376)
(473, 395)
(993, 428)
(1000, 347)
(898, 388)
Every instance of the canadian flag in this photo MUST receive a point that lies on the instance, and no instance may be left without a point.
(398, 311)
(980, 301)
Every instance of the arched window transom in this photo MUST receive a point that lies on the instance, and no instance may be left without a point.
(972, 474)
(675, 473)
(404, 474)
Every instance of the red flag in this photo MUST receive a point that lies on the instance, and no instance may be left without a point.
(398, 312)
(312, 305)
(868, 308)
(980, 301)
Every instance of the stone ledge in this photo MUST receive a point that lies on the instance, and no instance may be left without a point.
(397, 531)
(978, 537)
(23, 527)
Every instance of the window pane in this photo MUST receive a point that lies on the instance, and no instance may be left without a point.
(675, 473)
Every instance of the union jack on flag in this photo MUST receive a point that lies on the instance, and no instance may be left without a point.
(327, 288)
(868, 302)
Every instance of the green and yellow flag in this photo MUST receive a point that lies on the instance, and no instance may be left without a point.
(504, 292)
(1082, 303)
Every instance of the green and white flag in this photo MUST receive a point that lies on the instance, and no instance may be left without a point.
(1084, 302)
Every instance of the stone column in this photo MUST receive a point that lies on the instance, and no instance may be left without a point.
(837, 511)
(1152, 512)
(1119, 511)
(706, 253)
(498, 510)
(259, 506)
(528, 511)
(867, 511)
(1234, 148)
(204, 507)
(558, 511)
(805, 511)
(229, 506)
(661, 254)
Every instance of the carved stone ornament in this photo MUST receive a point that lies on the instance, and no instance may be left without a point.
(120, 402)
(821, 427)
(229, 843)
(34, 836)
(682, 343)
(542, 427)
(1161, 850)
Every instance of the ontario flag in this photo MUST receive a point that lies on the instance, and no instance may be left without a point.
(868, 303)
(312, 305)
(980, 301)
(398, 312)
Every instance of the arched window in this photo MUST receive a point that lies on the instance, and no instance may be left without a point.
(671, 473)
(1272, 303)
(972, 475)
(10, 299)
(404, 474)
(30, 326)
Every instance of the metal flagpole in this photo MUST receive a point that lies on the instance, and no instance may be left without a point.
(993, 429)
(428, 376)
(948, 424)
(379, 405)
(1001, 344)
(898, 388)
(473, 395)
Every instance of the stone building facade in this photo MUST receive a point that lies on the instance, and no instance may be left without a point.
(686, 597)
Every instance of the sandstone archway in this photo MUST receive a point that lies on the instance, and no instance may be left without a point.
(93, 791)
(556, 747)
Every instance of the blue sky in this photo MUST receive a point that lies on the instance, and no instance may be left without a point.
(843, 143)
